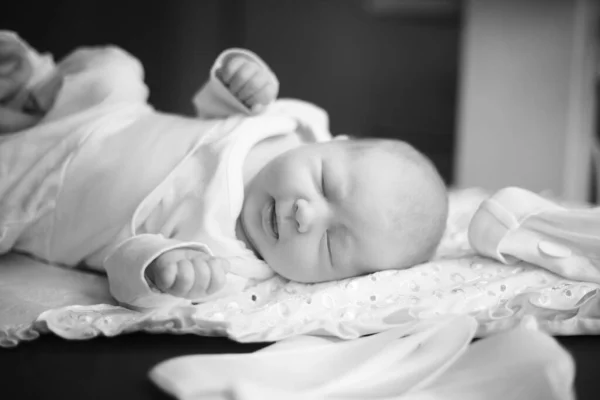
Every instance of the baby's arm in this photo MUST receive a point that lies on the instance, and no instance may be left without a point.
(99, 75)
(150, 271)
(239, 83)
(187, 273)
(89, 76)
(28, 83)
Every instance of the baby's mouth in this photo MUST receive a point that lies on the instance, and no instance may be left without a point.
(272, 220)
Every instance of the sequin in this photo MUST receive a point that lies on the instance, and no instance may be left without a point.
(290, 290)
(560, 286)
(253, 297)
(373, 297)
(351, 285)
(502, 312)
(502, 288)
(328, 301)
(568, 293)
(413, 286)
(348, 315)
(169, 325)
(284, 310)
(543, 280)
(85, 318)
(218, 316)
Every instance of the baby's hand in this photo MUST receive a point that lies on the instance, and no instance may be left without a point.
(15, 68)
(250, 82)
(188, 273)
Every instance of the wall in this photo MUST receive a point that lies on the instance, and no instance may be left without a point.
(376, 74)
(526, 109)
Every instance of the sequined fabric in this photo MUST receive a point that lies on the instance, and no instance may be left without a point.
(457, 281)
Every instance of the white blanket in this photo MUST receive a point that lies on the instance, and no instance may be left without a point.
(423, 360)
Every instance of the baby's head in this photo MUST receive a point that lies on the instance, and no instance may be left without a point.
(344, 208)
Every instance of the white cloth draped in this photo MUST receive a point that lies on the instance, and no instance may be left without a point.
(418, 361)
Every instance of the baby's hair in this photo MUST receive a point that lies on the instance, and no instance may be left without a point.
(427, 204)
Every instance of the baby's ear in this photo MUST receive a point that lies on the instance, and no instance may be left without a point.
(341, 137)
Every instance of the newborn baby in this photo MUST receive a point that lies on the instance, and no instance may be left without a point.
(196, 208)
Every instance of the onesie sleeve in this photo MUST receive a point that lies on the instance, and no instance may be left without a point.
(114, 73)
(313, 121)
(125, 267)
(214, 100)
(93, 76)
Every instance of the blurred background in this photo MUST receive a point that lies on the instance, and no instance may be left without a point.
(495, 92)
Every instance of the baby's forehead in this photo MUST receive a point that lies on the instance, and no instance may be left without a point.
(353, 151)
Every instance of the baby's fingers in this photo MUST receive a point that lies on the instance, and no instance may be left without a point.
(262, 89)
(263, 96)
(185, 279)
(202, 275)
(230, 68)
(245, 78)
(210, 276)
(161, 274)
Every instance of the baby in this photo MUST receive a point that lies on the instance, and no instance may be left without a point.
(179, 208)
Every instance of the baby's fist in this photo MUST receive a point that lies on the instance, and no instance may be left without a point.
(188, 273)
(250, 82)
(15, 68)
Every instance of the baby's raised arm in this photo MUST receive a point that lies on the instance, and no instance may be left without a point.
(32, 86)
(28, 85)
(249, 80)
(188, 273)
(239, 83)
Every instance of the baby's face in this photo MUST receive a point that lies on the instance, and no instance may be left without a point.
(317, 213)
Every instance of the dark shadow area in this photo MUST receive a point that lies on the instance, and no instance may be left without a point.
(389, 74)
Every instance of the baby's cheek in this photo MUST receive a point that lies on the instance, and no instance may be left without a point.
(292, 264)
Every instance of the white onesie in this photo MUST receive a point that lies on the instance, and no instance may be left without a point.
(106, 180)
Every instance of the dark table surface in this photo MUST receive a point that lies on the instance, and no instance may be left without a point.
(117, 368)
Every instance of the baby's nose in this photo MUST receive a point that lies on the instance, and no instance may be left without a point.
(305, 215)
